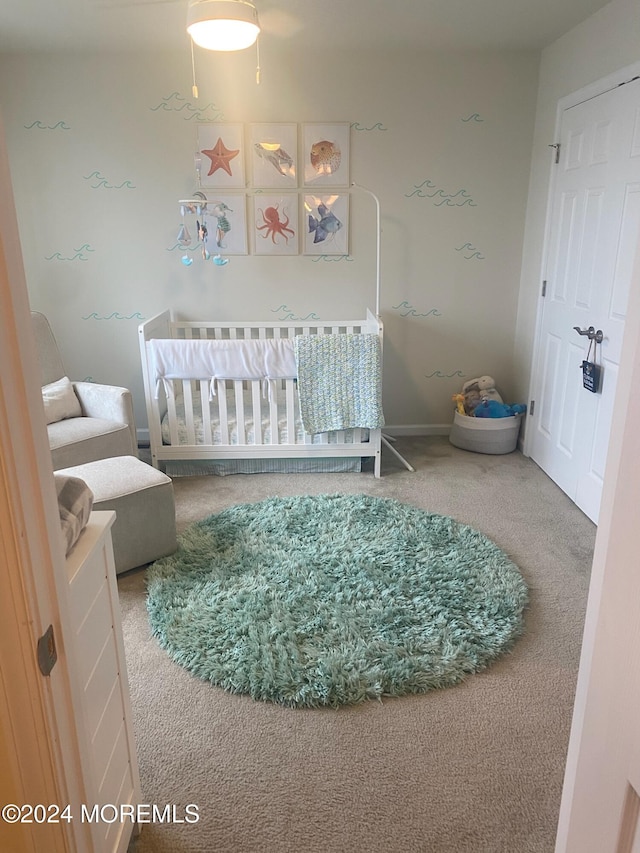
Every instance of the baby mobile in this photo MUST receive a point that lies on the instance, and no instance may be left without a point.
(200, 206)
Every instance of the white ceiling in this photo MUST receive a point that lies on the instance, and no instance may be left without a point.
(149, 24)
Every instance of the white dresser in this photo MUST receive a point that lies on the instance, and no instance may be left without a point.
(101, 685)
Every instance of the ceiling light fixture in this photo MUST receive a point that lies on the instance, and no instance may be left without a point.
(223, 24)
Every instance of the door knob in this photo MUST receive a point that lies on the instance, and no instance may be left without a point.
(591, 333)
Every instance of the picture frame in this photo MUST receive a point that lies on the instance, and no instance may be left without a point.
(220, 156)
(325, 227)
(275, 224)
(273, 151)
(225, 217)
(325, 154)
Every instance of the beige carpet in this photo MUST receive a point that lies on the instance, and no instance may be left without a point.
(476, 768)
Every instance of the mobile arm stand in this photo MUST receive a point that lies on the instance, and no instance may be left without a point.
(386, 439)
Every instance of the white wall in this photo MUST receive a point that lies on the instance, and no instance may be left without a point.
(102, 247)
(606, 42)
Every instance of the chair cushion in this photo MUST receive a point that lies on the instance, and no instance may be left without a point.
(76, 441)
(142, 497)
(60, 401)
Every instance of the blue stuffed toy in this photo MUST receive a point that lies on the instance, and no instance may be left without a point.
(494, 409)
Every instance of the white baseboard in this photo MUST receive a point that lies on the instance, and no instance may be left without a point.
(417, 429)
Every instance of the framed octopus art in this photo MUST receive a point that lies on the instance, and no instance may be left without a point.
(275, 224)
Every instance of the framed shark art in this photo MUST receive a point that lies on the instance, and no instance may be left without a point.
(274, 155)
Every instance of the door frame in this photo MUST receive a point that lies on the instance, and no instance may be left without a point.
(604, 705)
(593, 90)
(41, 725)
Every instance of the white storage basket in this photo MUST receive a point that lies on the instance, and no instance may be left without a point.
(485, 435)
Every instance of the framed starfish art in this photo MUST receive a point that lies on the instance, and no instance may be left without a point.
(221, 155)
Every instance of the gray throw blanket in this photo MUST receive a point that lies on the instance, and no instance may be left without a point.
(339, 381)
(75, 502)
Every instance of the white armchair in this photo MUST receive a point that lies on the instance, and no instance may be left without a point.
(96, 423)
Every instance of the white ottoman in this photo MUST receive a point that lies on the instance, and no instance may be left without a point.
(142, 497)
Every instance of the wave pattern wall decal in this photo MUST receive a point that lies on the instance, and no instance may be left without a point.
(472, 252)
(377, 126)
(60, 125)
(104, 183)
(460, 198)
(406, 310)
(176, 103)
(78, 256)
(287, 314)
(115, 316)
(437, 374)
(331, 258)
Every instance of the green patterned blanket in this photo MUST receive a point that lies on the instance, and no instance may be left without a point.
(339, 381)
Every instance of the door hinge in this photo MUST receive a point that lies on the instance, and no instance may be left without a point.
(532, 406)
(556, 145)
(47, 654)
(544, 288)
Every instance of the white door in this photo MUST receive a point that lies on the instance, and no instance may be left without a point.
(594, 218)
(600, 811)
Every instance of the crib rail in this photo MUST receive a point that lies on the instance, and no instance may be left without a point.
(267, 329)
(243, 419)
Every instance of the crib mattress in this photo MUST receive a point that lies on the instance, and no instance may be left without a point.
(301, 437)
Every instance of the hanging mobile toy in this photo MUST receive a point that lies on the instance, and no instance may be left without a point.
(184, 239)
(202, 236)
(223, 226)
(201, 202)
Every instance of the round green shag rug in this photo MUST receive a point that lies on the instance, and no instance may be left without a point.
(334, 599)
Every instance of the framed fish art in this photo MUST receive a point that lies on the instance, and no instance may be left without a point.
(326, 224)
(326, 154)
(220, 155)
(274, 155)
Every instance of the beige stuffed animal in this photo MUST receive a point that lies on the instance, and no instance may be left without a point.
(476, 390)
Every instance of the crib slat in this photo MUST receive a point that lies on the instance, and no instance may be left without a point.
(290, 396)
(273, 417)
(171, 411)
(257, 413)
(188, 411)
(222, 409)
(239, 397)
(206, 412)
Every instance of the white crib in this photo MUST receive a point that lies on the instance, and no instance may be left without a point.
(240, 422)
